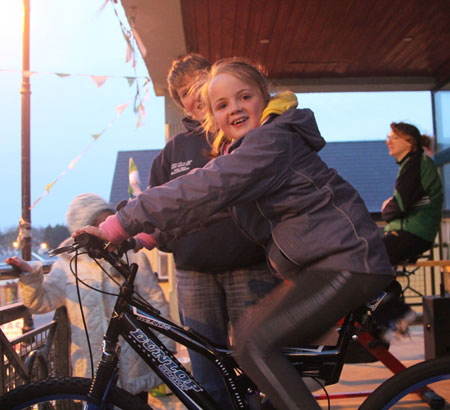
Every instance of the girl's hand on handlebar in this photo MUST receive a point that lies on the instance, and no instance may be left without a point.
(19, 263)
(94, 231)
(91, 230)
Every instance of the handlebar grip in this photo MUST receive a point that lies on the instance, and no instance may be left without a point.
(96, 247)
(89, 242)
(128, 245)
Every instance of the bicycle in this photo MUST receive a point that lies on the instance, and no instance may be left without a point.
(136, 320)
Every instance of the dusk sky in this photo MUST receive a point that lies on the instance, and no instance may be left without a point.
(83, 40)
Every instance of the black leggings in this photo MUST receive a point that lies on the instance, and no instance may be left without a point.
(296, 313)
(402, 245)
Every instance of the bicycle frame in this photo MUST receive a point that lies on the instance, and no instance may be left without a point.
(136, 327)
(136, 322)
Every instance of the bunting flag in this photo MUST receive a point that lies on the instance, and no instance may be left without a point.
(134, 183)
(99, 79)
(139, 42)
(122, 107)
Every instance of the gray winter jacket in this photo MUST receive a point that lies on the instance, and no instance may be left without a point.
(280, 193)
(44, 293)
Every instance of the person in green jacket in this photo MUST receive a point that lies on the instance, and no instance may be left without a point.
(413, 216)
(413, 213)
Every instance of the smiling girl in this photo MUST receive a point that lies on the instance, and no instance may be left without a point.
(219, 272)
(314, 226)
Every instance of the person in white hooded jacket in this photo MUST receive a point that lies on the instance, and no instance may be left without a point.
(58, 288)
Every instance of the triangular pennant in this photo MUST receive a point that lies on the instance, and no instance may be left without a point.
(129, 54)
(139, 42)
(74, 161)
(62, 75)
(48, 187)
(130, 80)
(120, 108)
(99, 79)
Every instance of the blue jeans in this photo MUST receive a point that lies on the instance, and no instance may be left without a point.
(208, 303)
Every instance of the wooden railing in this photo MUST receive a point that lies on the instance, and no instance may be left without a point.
(37, 353)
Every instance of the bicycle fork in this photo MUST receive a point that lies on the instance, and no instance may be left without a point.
(105, 378)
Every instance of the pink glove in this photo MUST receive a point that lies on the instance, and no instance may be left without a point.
(113, 230)
(146, 240)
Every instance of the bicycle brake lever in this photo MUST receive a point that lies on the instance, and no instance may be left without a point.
(63, 249)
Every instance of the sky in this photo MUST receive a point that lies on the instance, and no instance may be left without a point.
(84, 39)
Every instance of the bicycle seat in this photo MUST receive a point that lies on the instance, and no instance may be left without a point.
(410, 260)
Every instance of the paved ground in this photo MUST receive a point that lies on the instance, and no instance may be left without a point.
(354, 378)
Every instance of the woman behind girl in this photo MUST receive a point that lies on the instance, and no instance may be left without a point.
(316, 230)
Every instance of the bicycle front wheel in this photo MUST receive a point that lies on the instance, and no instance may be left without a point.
(69, 393)
(422, 386)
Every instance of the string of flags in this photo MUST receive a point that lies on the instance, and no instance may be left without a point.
(138, 108)
(119, 110)
(99, 80)
(132, 40)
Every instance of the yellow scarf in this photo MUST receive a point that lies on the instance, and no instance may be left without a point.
(278, 104)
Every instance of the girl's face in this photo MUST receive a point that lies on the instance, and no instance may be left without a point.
(191, 102)
(398, 146)
(236, 106)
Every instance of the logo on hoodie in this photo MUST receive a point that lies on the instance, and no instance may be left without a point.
(178, 167)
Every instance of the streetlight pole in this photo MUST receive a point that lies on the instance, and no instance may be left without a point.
(25, 91)
(25, 222)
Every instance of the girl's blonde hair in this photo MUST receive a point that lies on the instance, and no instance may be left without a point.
(246, 71)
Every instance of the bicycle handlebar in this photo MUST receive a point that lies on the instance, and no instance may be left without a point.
(94, 246)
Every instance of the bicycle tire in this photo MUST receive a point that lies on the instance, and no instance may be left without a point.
(422, 374)
(64, 393)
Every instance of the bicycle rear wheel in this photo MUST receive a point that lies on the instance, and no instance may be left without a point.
(69, 393)
(422, 386)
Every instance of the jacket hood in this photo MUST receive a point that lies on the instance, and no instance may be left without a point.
(278, 104)
(304, 123)
(84, 209)
(191, 125)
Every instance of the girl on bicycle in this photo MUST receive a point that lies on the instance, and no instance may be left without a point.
(219, 272)
(316, 230)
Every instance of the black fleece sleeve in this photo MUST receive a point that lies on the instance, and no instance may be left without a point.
(160, 172)
(408, 190)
